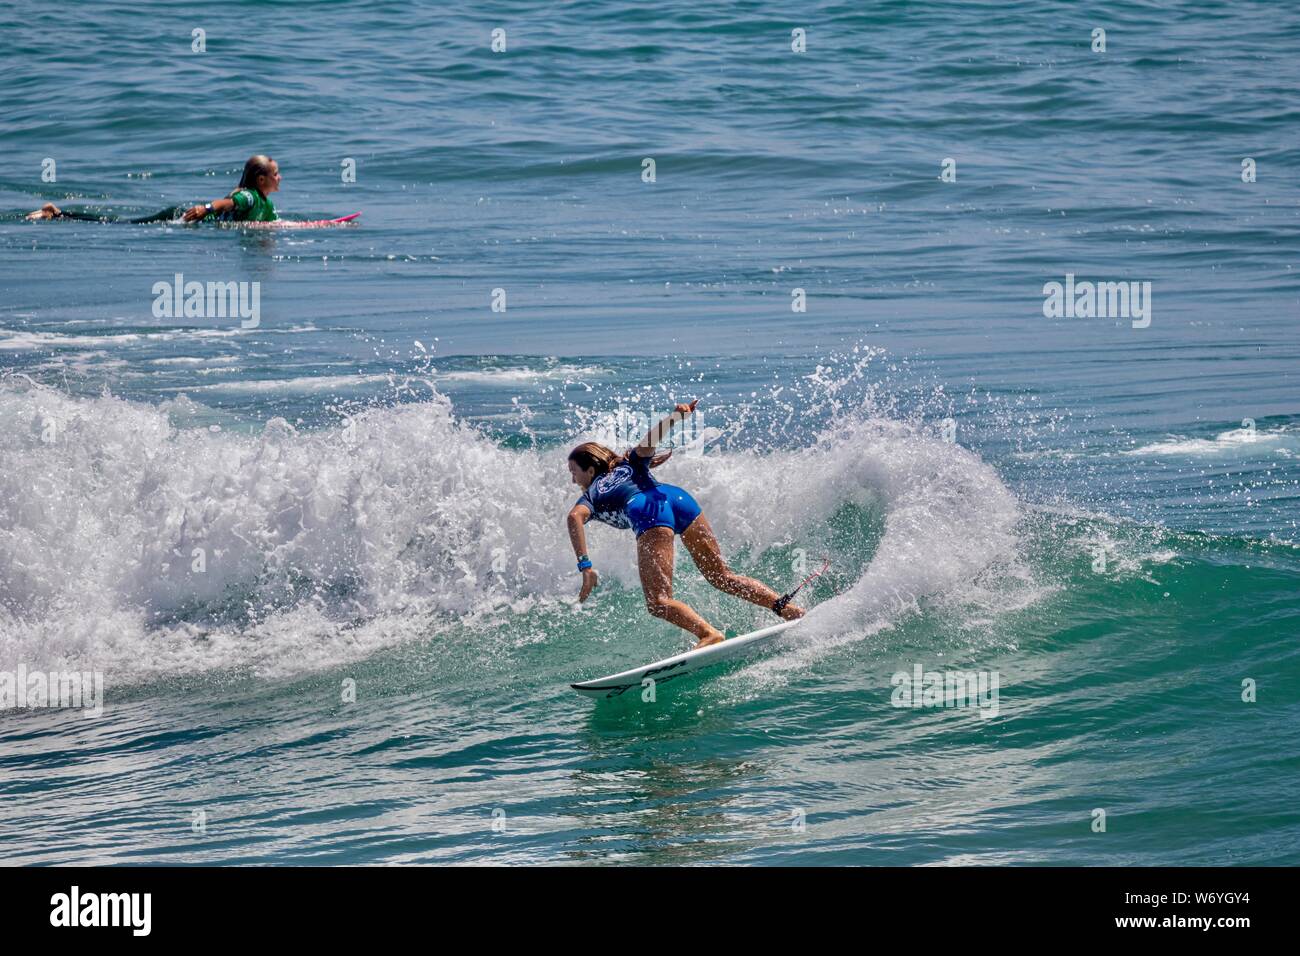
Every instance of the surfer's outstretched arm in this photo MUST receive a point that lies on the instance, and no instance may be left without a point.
(48, 211)
(217, 206)
(578, 537)
(661, 430)
(51, 211)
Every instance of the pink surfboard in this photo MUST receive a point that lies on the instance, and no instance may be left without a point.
(298, 223)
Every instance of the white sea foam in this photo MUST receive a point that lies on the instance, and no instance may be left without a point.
(324, 546)
(194, 360)
(1233, 442)
(32, 341)
(306, 383)
(950, 531)
(400, 512)
(512, 376)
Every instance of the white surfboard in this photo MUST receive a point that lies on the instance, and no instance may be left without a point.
(672, 667)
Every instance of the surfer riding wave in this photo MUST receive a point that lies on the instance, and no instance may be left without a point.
(248, 202)
(619, 490)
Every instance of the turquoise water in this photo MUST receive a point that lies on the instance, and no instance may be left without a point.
(1102, 515)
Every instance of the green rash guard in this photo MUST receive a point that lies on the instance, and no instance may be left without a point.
(250, 206)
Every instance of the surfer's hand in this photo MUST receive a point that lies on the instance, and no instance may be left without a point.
(48, 211)
(194, 212)
(687, 409)
(589, 581)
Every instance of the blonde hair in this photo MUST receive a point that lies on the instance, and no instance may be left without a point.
(592, 454)
(256, 167)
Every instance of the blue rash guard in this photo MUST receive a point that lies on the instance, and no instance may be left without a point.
(628, 496)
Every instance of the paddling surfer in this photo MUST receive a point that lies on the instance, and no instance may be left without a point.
(249, 202)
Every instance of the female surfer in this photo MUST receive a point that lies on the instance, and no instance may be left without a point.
(249, 202)
(619, 490)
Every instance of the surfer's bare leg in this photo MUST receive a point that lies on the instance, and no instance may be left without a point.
(703, 546)
(654, 558)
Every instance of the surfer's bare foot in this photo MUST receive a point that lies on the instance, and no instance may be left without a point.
(717, 637)
(48, 211)
(792, 612)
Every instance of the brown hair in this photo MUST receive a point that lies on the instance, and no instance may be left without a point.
(591, 454)
(256, 167)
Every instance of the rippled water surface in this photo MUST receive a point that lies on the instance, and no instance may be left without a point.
(369, 661)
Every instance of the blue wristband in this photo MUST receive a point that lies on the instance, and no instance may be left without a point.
(584, 563)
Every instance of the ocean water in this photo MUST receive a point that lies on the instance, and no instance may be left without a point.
(321, 564)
